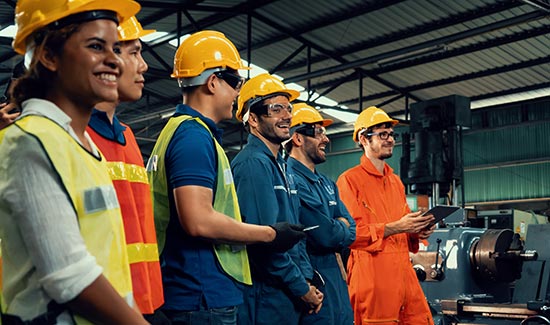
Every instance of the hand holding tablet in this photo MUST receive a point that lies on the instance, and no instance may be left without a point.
(440, 212)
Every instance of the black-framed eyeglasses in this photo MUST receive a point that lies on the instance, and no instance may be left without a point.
(384, 135)
(277, 109)
(312, 131)
(234, 80)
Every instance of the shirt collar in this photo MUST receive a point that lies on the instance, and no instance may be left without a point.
(301, 169)
(47, 109)
(369, 167)
(183, 109)
(100, 123)
(254, 141)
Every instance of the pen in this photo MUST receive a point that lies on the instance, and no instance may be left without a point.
(311, 228)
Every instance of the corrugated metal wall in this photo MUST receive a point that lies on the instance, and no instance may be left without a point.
(506, 154)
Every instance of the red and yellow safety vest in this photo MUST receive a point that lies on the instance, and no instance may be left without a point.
(127, 171)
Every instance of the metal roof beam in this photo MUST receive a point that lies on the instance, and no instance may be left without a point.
(213, 19)
(334, 18)
(448, 54)
(288, 58)
(424, 45)
(459, 78)
(511, 91)
(414, 31)
(317, 47)
(539, 4)
(465, 49)
(157, 57)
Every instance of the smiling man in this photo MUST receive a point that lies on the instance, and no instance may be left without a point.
(197, 216)
(320, 205)
(386, 231)
(281, 290)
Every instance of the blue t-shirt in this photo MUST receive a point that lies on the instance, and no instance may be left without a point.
(191, 273)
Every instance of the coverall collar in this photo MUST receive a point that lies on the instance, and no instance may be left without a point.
(303, 170)
(368, 166)
(256, 142)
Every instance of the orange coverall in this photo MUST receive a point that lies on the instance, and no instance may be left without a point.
(382, 284)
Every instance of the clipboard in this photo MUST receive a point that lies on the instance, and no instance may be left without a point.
(440, 212)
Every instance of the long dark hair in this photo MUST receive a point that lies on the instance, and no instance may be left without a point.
(37, 81)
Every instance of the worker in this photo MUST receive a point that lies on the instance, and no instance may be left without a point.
(382, 284)
(320, 207)
(281, 291)
(199, 230)
(8, 110)
(125, 163)
(62, 235)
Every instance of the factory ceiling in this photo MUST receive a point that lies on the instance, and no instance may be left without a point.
(356, 53)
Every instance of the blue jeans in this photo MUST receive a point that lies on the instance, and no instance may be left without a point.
(213, 316)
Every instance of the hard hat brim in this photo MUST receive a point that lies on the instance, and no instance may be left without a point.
(124, 9)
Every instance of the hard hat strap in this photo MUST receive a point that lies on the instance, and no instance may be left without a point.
(198, 80)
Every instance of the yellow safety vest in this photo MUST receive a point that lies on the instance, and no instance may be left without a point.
(233, 260)
(87, 182)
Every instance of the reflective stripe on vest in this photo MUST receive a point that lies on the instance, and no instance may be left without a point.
(233, 259)
(140, 252)
(87, 182)
(120, 171)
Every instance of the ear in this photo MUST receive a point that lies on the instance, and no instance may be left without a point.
(47, 59)
(253, 120)
(363, 140)
(212, 84)
(297, 139)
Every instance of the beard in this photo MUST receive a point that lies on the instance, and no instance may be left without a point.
(271, 134)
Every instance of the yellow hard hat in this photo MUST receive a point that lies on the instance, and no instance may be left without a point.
(205, 50)
(370, 117)
(131, 30)
(259, 87)
(302, 113)
(32, 15)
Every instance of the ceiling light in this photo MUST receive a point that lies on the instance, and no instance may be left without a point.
(152, 36)
(8, 31)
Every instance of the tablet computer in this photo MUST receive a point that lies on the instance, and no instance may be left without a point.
(440, 212)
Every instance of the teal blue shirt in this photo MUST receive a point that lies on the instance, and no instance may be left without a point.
(267, 195)
(320, 205)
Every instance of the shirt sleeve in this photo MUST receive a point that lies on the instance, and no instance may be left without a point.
(369, 236)
(48, 223)
(343, 213)
(191, 157)
(258, 204)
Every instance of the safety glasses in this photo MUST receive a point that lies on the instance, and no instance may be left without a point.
(278, 110)
(312, 131)
(384, 135)
(234, 80)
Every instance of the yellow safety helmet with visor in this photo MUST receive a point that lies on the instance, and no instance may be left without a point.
(33, 15)
(371, 117)
(258, 88)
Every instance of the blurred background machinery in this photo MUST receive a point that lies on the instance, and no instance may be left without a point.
(435, 130)
(479, 267)
(487, 276)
